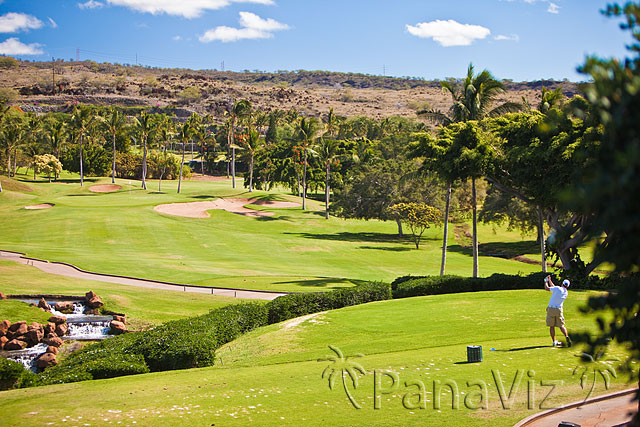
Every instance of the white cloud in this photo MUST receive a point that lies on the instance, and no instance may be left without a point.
(91, 4)
(512, 37)
(13, 22)
(13, 46)
(253, 27)
(553, 8)
(184, 8)
(52, 23)
(177, 38)
(449, 33)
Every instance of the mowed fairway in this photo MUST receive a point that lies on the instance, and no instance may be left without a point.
(272, 376)
(294, 250)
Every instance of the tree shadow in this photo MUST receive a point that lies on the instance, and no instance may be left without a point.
(506, 250)
(157, 192)
(204, 196)
(346, 236)
(386, 248)
(83, 195)
(533, 347)
(324, 282)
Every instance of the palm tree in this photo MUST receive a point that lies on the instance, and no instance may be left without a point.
(306, 134)
(237, 111)
(472, 100)
(113, 124)
(165, 131)
(185, 133)
(81, 120)
(252, 144)
(345, 368)
(145, 126)
(328, 151)
(11, 136)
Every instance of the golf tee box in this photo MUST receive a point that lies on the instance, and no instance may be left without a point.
(474, 353)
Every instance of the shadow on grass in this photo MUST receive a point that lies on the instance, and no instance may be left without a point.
(346, 236)
(324, 283)
(157, 192)
(204, 196)
(83, 195)
(506, 250)
(533, 347)
(386, 248)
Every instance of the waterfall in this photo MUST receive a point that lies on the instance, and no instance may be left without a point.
(88, 329)
(27, 356)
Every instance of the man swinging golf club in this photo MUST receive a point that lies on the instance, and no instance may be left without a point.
(554, 310)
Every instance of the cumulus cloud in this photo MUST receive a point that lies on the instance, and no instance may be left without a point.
(13, 46)
(253, 27)
(512, 37)
(449, 33)
(184, 8)
(553, 8)
(13, 22)
(91, 4)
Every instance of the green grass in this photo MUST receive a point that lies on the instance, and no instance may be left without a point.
(420, 339)
(294, 250)
(16, 311)
(143, 307)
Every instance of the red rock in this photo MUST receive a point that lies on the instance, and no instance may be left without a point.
(17, 329)
(117, 327)
(15, 345)
(89, 295)
(3, 341)
(58, 319)
(4, 327)
(62, 329)
(52, 349)
(44, 305)
(35, 325)
(121, 319)
(94, 301)
(34, 336)
(92, 311)
(46, 360)
(49, 328)
(2, 296)
(54, 341)
(14, 327)
(65, 307)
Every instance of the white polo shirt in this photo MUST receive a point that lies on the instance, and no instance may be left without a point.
(558, 295)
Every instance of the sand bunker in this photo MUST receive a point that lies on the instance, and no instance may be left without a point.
(236, 206)
(105, 188)
(40, 206)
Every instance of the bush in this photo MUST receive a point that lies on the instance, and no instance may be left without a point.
(295, 305)
(14, 375)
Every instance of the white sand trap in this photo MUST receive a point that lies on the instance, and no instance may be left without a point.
(105, 188)
(236, 206)
(40, 206)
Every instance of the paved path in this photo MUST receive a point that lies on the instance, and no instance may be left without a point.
(615, 409)
(63, 269)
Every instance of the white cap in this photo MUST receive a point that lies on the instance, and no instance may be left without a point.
(566, 283)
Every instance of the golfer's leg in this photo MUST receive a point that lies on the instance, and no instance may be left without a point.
(552, 331)
(563, 329)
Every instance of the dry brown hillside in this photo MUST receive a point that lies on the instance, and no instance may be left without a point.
(46, 86)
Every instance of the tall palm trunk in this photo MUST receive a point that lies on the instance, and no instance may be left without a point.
(251, 175)
(233, 167)
(113, 165)
(8, 163)
(144, 163)
(81, 170)
(326, 193)
(304, 181)
(475, 227)
(181, 166)
(445, 238)
(542, 240)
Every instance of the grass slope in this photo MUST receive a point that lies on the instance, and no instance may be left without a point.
(142, 306)
(420, 340)
(15, 311)
(294, 250)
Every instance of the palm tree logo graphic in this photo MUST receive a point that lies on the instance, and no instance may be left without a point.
(346, 369)
(595, 365)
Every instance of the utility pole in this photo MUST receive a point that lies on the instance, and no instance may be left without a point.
(53, 75)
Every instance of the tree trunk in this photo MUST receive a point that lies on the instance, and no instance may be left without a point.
(400, 233)
(475, 227)
(8, 163)
(542, 240)
(181, 165)
(233, 167)
(15, 161)
(445, 238)
(0, 186)
(304, 182)
(113, 165)
(251, 175)
(81, 171)
(326, 193)
(34, 171)
(160, 181)
(144, 163)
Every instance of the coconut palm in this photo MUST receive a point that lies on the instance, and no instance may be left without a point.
(473, 99)
(55, 131)
(252, 144)
(328, 152)
(307, 131)
(236, 111)
(185, 133)
(145, 127)
(11, 136)
(113, 124)
(165, 131)
(81, 119)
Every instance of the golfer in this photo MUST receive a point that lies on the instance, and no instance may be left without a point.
(554, 310)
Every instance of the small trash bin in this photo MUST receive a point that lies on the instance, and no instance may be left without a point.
(474, 353)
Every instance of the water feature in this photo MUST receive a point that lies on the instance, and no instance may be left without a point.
(88, 328)
(27, 356)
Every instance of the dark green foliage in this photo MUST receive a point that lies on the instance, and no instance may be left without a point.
(295, 305)
(14, 375)
(96, 160)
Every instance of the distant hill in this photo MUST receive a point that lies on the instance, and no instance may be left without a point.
(47, 86)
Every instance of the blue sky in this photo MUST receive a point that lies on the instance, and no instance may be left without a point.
(434, 39)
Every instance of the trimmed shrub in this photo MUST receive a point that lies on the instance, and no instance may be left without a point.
(11, 374)
(296, 305)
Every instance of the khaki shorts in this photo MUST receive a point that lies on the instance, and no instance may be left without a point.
(555, 317)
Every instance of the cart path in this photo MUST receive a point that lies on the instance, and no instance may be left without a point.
(69, 270)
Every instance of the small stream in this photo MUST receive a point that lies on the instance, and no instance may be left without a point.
(81, 327)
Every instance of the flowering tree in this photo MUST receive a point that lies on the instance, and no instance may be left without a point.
(418, 216)
(49, 164)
